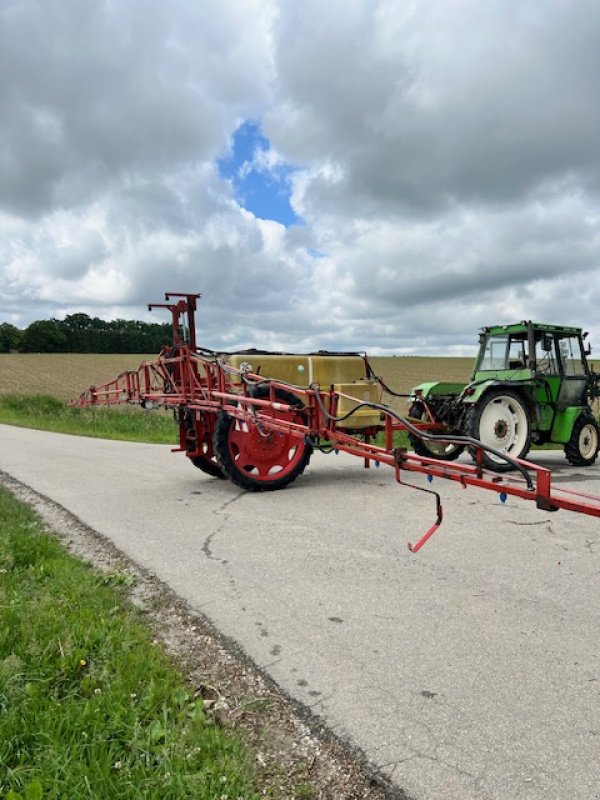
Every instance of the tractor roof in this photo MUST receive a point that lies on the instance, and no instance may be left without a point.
(521, 327)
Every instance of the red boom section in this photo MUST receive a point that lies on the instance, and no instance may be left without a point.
(199, 385)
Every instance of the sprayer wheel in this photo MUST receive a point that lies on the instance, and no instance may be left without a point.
(258, 459)
(208, 464)
(198, 442)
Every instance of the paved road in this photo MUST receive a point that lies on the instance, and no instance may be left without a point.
(467, 672)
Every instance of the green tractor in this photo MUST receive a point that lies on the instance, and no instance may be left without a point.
(531, 384)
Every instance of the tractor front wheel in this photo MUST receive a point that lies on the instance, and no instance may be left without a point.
(500, 420)
(428, 447)
(257, 458)
(582, 448)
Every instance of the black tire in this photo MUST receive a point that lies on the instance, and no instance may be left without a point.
(428, 448)
(582, 448)
(208, 465)
(500, 419)
(261, 461)
(203, 457)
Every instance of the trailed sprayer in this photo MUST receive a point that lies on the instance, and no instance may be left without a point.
(255, 418)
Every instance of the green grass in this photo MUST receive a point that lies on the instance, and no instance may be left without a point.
(45, 412)
(127, 423)
(89, 707)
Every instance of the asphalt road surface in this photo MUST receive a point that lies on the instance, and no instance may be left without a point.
(469, 671)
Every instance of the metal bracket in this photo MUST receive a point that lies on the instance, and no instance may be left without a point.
(414, 548)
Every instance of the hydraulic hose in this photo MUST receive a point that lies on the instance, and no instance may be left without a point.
(421, 434)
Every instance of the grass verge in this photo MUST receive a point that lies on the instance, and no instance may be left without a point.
(89, 707)
(127, 423)
(45, 412)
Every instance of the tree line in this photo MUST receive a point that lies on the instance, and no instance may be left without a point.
(80, 333)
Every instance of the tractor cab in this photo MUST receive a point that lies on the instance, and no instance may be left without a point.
(536, 348)
(553, 357)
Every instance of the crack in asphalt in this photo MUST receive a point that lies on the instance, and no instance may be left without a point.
(434, 758)
(206, 546)
(320, 701)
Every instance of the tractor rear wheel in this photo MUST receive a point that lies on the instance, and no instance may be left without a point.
(500, 420)
(427, 447)
(259, 459)
(582, 448)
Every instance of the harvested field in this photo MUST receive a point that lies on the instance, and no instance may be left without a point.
(62, 375)
(401, 373)
(66, 375)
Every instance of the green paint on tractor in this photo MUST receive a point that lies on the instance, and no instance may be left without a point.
(531, 382)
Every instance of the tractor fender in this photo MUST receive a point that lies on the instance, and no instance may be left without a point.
(473, 393)
(564, 421)
(436, 389)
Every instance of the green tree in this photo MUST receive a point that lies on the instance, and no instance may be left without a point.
(81, 333)
(78, 322)
(10, 337)
(44, 336)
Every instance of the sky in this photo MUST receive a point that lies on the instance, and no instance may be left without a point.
(382, 175)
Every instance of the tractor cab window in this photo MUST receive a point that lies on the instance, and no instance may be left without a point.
(503, 352)
(517, 356)
(493, 354)
(571, 356)
(545, 354)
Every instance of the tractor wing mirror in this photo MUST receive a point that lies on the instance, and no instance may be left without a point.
(547, 342)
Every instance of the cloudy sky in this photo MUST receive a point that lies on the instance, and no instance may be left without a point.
(384, 175)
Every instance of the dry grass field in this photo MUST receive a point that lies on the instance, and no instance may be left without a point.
(62, 375)
(66, 375)
(401, 373)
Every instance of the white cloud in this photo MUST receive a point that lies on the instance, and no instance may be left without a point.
(449, 152)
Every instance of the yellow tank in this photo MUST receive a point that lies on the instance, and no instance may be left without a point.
(302, 370)
(361, 392)
(346, 373)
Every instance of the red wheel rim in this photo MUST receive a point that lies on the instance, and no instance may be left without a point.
(266, 455)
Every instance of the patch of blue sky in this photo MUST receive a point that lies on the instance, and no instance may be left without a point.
(261, 181)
